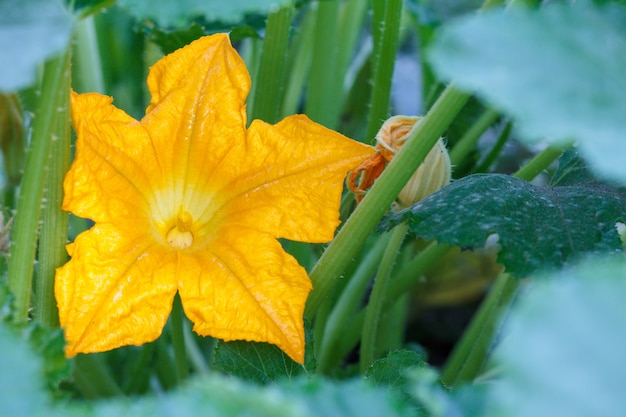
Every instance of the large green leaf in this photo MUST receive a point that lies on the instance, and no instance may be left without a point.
(167, 13)
(262, 362)
(558, 70)
(22, 394)
(30, 32)
(536, 226)
(325, 398)
(562, 353)
(21, 379)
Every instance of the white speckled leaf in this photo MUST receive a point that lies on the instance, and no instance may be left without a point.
(538, 227)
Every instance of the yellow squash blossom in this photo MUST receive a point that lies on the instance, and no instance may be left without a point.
(188, 200)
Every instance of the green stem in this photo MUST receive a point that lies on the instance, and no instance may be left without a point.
(378, 297)
(469, 140)
(346, 305)
(165, 365)
(196, 358)
(386, 38)
(352, 235)
(139, 371)
(540, 162)
(351, 18)
(399, 286)
(93, 378)
(392, 326)
(54, 225)
(412, 271)
(270, 75)
(299, 63)
(24, 234)
(468, 356)
(87, 70)
(495, 151)
(324, 90)
(178, 340)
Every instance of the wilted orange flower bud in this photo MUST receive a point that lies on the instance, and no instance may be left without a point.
(433, 174)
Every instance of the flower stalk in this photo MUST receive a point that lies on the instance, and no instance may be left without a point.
(29, 203)
(54, 226)
(386, 40)
(352, 235)
(468, 357)
(269, 82)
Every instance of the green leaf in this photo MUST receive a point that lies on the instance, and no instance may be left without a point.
(21, 385)
(537, 227)
(389, 371)
(326, 398)
(563, 350)
(558, 70)
(170, 40)
(178, 14)
(572, 171)
(220, 396)
(21, 380)
(90, 7)
(262, 362)
(49, 344)
(30, 32)
(425, 386)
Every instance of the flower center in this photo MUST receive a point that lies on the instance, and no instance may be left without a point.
(180, 236)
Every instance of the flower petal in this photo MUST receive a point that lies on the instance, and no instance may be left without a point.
(288, 178)
(246, 287)
(197, 112)
(114, 166)
(116, 290)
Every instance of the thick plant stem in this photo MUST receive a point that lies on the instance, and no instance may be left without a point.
(540, 162)
(198, 362)
(54, 226)
(165, 364)
(347, 304)
(178, 340)
(495, 151)
(324, 87)
(412, 271)
(468, 356)
(24, 235)
(402, 282)
(468, 141)
(378, 298)
(87, 70)
(299, 62)
(270, 75)
(352, 235)
(139, 371)
(93, 378)
(385, 48)
(351, 17)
